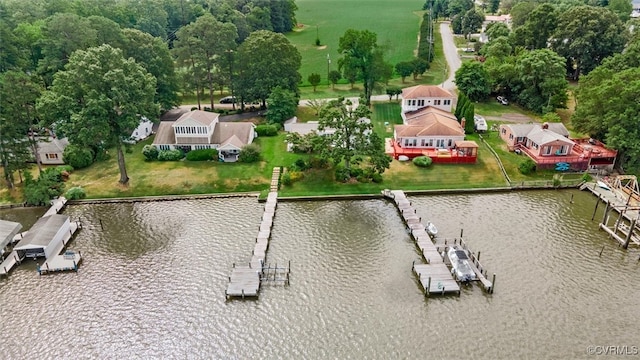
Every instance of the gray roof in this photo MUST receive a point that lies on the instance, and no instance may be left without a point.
(165, 134)
(8, 229)
(203, 117)
(224, 132)
(558, 128)
(52, 145)
(521, 130)
(536, 132)
(42, 232)
(543, 136)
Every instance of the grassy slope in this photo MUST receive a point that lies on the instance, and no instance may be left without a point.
(395, 22)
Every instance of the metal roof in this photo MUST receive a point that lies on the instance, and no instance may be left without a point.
(42, 232)
(8, 229)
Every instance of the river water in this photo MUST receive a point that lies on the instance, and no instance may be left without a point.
(153, 278)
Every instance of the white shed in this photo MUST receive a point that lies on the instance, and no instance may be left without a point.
(45, 237)
(143, 131)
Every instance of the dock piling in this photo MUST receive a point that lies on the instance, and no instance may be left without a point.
(101, 227)
(628, 238)
(461, 232)
(493, 282)
(601, 250)
(428, 285)
(595, 209)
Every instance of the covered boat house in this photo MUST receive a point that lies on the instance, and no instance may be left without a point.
(45, 238)
(8, 229)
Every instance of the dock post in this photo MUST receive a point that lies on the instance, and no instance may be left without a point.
(461, 232)
(428, 285)
(571, 201)
(601, 250)
(605, 218)
(289, 268)
(615, 230)
(626, 240)
(478, 257)
(101, 227)
(493, 282)
(596, 208)
(443, 290)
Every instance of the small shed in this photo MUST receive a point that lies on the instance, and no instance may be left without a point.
(8, 229)
(45, 237)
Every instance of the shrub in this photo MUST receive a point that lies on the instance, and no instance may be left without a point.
(202, 155)
(422, 161)
(150, 152)
(527, 167)
(286, 179)
(342, 174)
(586, 177)
(250, 153)
(267, 130)
(75, 193)
(170, 155)
(301, 165)
(296, 176)
(363, 178)
(48, 186)
(78, 157)
(376, 178)
(67, 168)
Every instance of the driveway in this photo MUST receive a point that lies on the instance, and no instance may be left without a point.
(450, 54)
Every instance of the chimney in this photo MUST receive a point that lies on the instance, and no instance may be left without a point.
(545, 125)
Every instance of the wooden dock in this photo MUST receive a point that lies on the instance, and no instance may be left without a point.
(245, 280)
(435, 277)
(9, 262)
(626, 228)
(443, 245)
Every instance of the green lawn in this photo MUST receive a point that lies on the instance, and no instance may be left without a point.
(395, 22)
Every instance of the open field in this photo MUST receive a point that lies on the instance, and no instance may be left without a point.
(395, 22)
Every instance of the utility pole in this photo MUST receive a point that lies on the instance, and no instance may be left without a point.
(328, 68)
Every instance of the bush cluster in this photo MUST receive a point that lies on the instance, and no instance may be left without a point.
(49, 185)
(170, 155)
(343, 174)
(267, 130)
(422, 161)
(78, 157)
(150, 152)
(202, 155)
(527, 167)
(249, 154)
(75, 193)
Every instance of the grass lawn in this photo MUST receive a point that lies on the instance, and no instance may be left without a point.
(395, 22)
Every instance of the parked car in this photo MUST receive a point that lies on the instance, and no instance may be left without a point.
(479, 123)
(502, 100)
(228, 100)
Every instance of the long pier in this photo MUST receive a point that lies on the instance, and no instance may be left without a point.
(246, 279)
(435, 277)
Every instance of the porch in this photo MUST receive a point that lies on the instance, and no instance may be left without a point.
(582, 157)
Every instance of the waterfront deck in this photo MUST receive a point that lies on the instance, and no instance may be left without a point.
(9, 262)
(435, 277)
(246, 280)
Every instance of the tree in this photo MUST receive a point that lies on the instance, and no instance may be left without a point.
(352, 132)
(608, 109)
(520, 12)
(153, 54)
(585, 36)
(282, 105)
(542, 85)
(497, 48)
(469, 113)
(496, 30)
(334, 77)
(471, 22)
(459, 7)
(393, 91)
(404, 69)
(493, 6)
(419, 67)
(100, 97)
(316, 105)
(538, 28)
(18, 117)
(473, 80)
(622, 8)
(314, 80)
(463, 100)
(267, 60)
(56, 49)
(203, 44)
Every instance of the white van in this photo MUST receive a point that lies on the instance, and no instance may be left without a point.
(479, 123)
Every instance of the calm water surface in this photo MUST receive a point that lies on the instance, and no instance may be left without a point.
(152, 283)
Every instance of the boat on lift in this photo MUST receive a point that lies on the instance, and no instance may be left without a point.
(460, 265)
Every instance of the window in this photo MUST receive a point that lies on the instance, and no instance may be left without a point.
(546, 150)
(430, 142)
(421, 102)
(165, 147)
(447, 102)
(423, 142)
(519, 139)
(436, 102)
(51, 156)
(414, 142)
(449, 143)
(504, 131)
(510, 136)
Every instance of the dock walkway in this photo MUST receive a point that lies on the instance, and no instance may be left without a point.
(435, 277)
(67, 261)
(245, 280)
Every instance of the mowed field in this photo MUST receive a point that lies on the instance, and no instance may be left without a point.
(395, 22)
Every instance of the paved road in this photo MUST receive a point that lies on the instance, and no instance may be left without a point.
(450, 54)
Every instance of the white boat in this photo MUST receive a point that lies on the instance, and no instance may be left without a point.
(603, 185)
(460, 265)
(432, 230)
(403, 158)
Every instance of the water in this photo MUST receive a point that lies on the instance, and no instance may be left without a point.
(152, 283)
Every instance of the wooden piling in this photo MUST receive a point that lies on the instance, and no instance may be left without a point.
(596, 208)
(493, 282)
(428, 285)
(571, 200)
(601, 250)
(461, 232)
(628, 238)
(101, 227)
(605, 217)
(478, 257)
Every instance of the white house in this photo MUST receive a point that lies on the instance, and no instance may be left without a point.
(45, 237)
(143, 131)
(429, 128)
(420, 96)
(202, 130)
